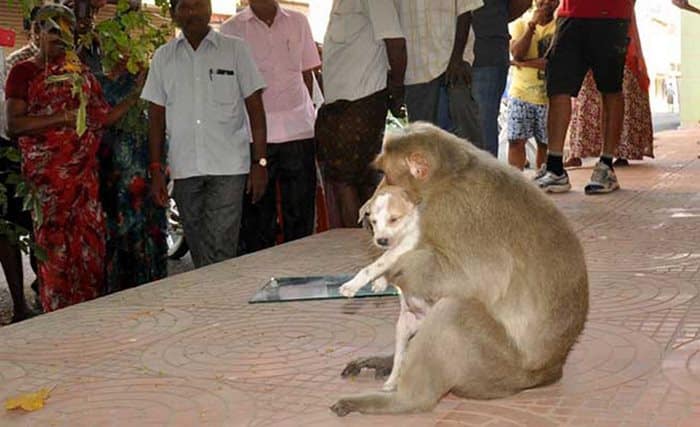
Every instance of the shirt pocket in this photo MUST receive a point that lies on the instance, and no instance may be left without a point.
(224, 94)
(347, 20)
(294, 49)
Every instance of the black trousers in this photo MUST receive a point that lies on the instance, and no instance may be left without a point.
(292, 167)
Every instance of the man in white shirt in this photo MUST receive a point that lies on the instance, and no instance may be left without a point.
(200, 86)
(436, 36)
(286, 55)
(364, 42)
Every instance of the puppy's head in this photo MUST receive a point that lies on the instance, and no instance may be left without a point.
(387, 215)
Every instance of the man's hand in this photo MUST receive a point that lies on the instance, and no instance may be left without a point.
(685, 5)
(159, 190)
(257, 182)
(458, 70)
(397, 104)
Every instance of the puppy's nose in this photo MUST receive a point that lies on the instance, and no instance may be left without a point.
(383, 241)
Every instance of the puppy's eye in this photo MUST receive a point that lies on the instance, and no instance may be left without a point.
(393, 219)
(373, 221)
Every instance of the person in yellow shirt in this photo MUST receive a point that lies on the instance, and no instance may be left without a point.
(527, 112)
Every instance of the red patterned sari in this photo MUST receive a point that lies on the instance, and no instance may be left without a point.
(64, 169)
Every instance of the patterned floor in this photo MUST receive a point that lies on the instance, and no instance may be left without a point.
(190, 351)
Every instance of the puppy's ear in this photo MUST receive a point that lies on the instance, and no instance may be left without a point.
(418, 165)
(364, 211)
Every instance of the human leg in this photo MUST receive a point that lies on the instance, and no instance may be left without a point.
(221, 217)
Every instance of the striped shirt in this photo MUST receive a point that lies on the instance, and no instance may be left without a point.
(429, 27)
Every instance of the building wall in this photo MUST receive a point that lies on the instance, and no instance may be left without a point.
(690, 69)
(659, 30)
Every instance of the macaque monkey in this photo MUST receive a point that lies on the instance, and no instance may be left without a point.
(498, 262)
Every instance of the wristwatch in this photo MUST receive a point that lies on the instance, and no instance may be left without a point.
(262, 162)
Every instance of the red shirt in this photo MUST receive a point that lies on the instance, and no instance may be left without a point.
(602, 9)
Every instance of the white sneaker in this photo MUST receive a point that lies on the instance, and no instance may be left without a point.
(540, 172)
(552, 183)
(603, 180)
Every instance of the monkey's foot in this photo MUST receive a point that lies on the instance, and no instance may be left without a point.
(343, 407)
(381, 364)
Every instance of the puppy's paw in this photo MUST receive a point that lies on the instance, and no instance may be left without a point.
(389, 385)
(343, 407)
(350, 288)
(380, 284)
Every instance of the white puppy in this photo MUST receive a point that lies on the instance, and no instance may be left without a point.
(394, 220)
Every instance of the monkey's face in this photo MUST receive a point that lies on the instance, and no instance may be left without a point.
(389, 214)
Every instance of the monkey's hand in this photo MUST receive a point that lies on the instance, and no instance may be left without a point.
(349, 289)
(380, 284)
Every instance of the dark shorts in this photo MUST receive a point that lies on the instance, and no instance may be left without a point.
(582, 44)
(349, 136)
(14, 212)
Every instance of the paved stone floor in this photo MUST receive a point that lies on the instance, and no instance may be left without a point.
(190, 351)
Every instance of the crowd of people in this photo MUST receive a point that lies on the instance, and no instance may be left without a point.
(231, 120)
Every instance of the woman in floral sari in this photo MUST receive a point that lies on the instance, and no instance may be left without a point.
(137, 250)
(60, 161)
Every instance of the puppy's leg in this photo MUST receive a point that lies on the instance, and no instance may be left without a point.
(405, 328)
(371, 272)
(380, 284)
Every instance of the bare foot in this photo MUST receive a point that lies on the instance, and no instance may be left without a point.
(573, 162)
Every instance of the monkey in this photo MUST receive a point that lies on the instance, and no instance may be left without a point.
(498, 263)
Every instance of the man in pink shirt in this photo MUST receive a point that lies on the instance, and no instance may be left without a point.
(285, 53)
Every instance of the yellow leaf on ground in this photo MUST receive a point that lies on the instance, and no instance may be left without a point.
(29, 401)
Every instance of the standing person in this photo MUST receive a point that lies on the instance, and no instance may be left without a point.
(136, 248)
(364, 62)
(10, 253)
(527, 111)
(60, 164)
(492, 61)
(637, 137)
(200, 86)
(436, 37)
(286, 55)
(591, 34)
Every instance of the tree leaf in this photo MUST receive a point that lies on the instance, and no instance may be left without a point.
(29, 401)
(81, 120)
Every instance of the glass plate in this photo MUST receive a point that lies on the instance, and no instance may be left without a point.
(279, 289)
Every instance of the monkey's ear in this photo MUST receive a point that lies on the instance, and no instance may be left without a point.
(418, 165)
